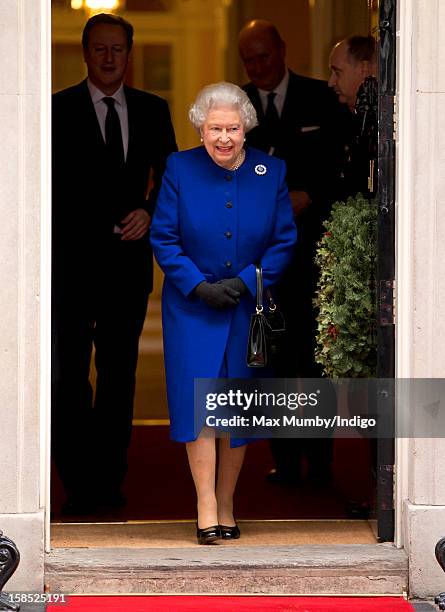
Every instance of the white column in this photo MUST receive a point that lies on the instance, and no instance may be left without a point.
(322, 36)
(21, 514)
(421, 278)
(201, 59)
(331, 21)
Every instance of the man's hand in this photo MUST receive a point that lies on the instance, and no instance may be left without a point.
(135, 224)
(217, 295)
(300, 201)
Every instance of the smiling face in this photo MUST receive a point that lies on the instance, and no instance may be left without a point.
(223, 135)
(346, 74)
(107, 57)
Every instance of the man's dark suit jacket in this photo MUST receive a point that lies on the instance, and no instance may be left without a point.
(100, 283)
(306, 139)
(309, 140)
(90, 198)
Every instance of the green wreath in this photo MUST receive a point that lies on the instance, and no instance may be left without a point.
(346, 343)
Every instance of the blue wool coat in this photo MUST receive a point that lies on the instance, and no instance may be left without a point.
(211, 223)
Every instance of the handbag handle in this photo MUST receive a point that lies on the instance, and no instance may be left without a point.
(259, 289)
(259, 292)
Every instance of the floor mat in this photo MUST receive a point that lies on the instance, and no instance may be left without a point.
(177, 535)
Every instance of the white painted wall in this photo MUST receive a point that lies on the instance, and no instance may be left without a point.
(21, 517)
(421, 277)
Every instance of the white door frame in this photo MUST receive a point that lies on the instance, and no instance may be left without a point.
(45, 263)
(403, 242)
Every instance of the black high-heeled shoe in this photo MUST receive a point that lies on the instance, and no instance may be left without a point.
(209, 535)
(230, 533)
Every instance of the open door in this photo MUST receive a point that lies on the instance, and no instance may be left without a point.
(386, 253)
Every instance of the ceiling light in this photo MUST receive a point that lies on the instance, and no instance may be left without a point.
(95, 5)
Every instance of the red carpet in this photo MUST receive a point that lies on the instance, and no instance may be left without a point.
(159, 475)
(232, 604)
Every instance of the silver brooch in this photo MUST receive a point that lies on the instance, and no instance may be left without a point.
(260, 169)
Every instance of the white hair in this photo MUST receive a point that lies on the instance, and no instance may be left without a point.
(222, 94)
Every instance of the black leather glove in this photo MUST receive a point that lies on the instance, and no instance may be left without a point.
(235, 283)
(217, 295)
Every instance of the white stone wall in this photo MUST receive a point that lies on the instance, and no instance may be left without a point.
(20, 515)
(421, 273)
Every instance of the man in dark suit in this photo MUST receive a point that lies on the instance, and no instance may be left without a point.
(352, 62)
(298, 118)
(110, 144)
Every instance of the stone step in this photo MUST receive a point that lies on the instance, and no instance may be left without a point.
(313, 569)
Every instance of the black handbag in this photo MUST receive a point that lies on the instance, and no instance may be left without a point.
(266, 330)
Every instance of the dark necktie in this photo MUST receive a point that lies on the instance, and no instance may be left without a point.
(271, 119)
(113, 135)
(271, 113)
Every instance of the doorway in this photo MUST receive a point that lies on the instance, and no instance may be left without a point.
(155, 462)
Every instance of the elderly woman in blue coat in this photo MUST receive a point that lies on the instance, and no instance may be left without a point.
(222, 208)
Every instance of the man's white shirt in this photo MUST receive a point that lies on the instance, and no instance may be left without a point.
(101, 109)
(280, 91)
